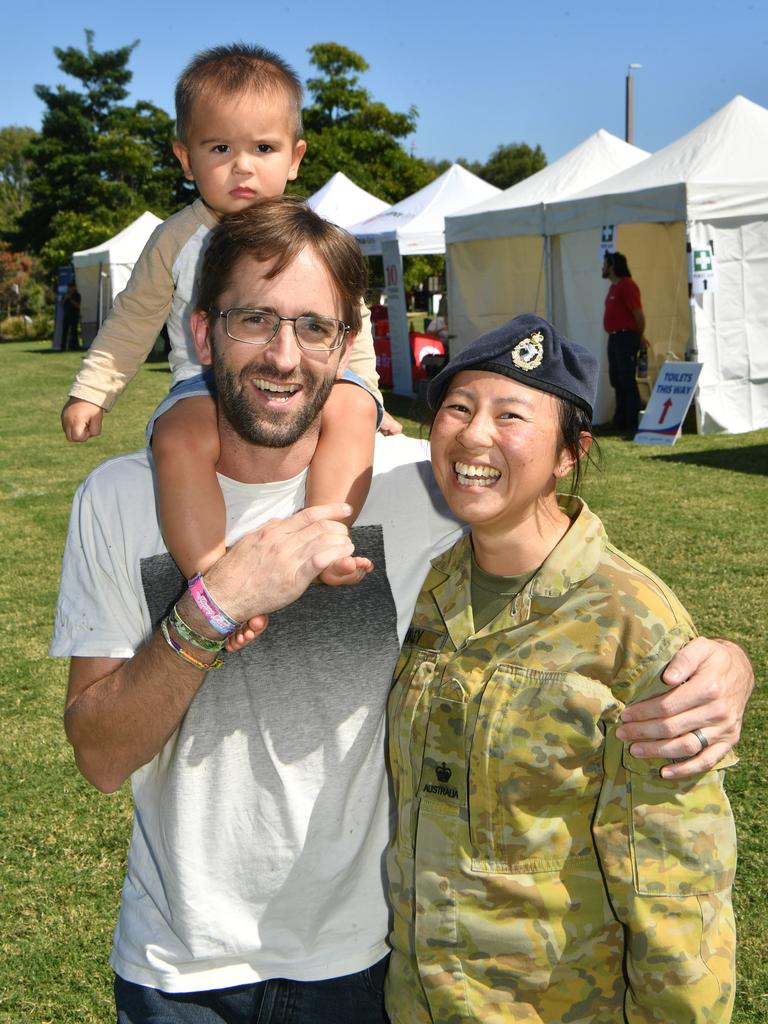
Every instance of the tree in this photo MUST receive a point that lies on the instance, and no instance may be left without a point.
(509, 164)
(15, 274)
(14, 175)
(346, 130)
(97, 162)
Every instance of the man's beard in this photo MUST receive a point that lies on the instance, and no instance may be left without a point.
(257, 424)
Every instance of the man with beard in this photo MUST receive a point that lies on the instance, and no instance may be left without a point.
(254, 884)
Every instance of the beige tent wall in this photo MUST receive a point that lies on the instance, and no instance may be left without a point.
(490, 281)
(732, 327)
(657, 259)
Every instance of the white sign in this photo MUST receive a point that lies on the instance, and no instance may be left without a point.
(607, 240)
(397, 313)
(669, 403)
(701, 270)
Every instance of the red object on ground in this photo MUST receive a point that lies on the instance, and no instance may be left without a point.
(424, 345)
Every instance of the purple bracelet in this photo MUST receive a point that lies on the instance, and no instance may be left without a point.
(216, 616)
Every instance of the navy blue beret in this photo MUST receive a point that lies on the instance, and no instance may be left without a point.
(531, 351)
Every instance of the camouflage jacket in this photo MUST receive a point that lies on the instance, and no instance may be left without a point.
(539, 871)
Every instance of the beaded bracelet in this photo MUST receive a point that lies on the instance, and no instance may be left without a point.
(216, 616)
(190, 659)
(187, 633)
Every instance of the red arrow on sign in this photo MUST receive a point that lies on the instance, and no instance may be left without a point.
(665, 409)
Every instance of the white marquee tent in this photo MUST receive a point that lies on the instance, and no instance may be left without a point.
(418, 221)
(415, 225)
(103, 270)
(343, 202)
(709, 190)
(498, 256)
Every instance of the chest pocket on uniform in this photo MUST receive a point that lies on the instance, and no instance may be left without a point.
(443, 783)
(535, 769)
(682, 836)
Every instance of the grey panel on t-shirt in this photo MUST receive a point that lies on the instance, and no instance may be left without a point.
(326, 656)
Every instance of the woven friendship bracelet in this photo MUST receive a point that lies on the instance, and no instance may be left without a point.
(179, 651)
(187, 633)
(217, 617)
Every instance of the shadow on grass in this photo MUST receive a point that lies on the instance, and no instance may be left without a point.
(753, 459)
(403, 407)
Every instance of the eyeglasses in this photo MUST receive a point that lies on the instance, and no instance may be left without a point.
(258, 327)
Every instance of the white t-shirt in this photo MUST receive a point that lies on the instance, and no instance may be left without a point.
(259, 829)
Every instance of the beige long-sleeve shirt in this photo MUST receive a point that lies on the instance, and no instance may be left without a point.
(162, 290)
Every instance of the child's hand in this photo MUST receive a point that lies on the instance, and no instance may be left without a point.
(247, 632)
(389, 425)
(346, 571)
(81, 420)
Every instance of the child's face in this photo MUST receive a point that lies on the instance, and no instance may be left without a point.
(240, 149)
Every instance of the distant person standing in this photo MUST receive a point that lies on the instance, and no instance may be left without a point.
(70, 307)
(624, 321)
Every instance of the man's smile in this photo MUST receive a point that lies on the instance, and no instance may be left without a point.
(275, 392)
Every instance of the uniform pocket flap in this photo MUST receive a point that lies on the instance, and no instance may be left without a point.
(682, 834)
(653, 766)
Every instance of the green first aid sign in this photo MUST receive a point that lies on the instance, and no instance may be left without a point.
(701, 271)
(702, 260)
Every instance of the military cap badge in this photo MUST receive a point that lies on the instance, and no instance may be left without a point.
(528, 353)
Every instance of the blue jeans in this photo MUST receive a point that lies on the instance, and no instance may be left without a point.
(353, 999)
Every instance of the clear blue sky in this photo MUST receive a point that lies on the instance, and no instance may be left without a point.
(481, 72)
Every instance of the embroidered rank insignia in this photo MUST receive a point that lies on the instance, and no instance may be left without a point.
(528, 353)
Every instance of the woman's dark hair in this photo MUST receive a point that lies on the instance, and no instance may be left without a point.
(573, 423)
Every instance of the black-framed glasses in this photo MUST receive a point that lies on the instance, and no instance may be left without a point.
(259, 327)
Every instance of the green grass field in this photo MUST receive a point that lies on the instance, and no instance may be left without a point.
(694, 513)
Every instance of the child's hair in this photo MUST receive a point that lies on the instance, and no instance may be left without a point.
(276, 230)
(228, 71)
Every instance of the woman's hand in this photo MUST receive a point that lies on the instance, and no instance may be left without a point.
(710, 683)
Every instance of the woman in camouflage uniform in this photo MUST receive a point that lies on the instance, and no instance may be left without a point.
(539, 871)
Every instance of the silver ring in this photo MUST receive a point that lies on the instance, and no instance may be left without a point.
(701, 738)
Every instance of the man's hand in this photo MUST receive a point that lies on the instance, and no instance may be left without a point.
(273, 566)
(81, 420)
(718, 680)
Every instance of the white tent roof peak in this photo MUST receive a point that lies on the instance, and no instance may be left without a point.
(343, 202)
(123, 247)
(519, 209)
(418, 221)
(598, 156)
(730, 147)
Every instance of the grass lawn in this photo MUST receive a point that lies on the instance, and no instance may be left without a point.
(694, 513)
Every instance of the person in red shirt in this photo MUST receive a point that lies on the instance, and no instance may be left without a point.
(624, 321)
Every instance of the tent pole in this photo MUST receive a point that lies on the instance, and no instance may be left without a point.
(98, 298)
(550, 299)
(692, 349)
